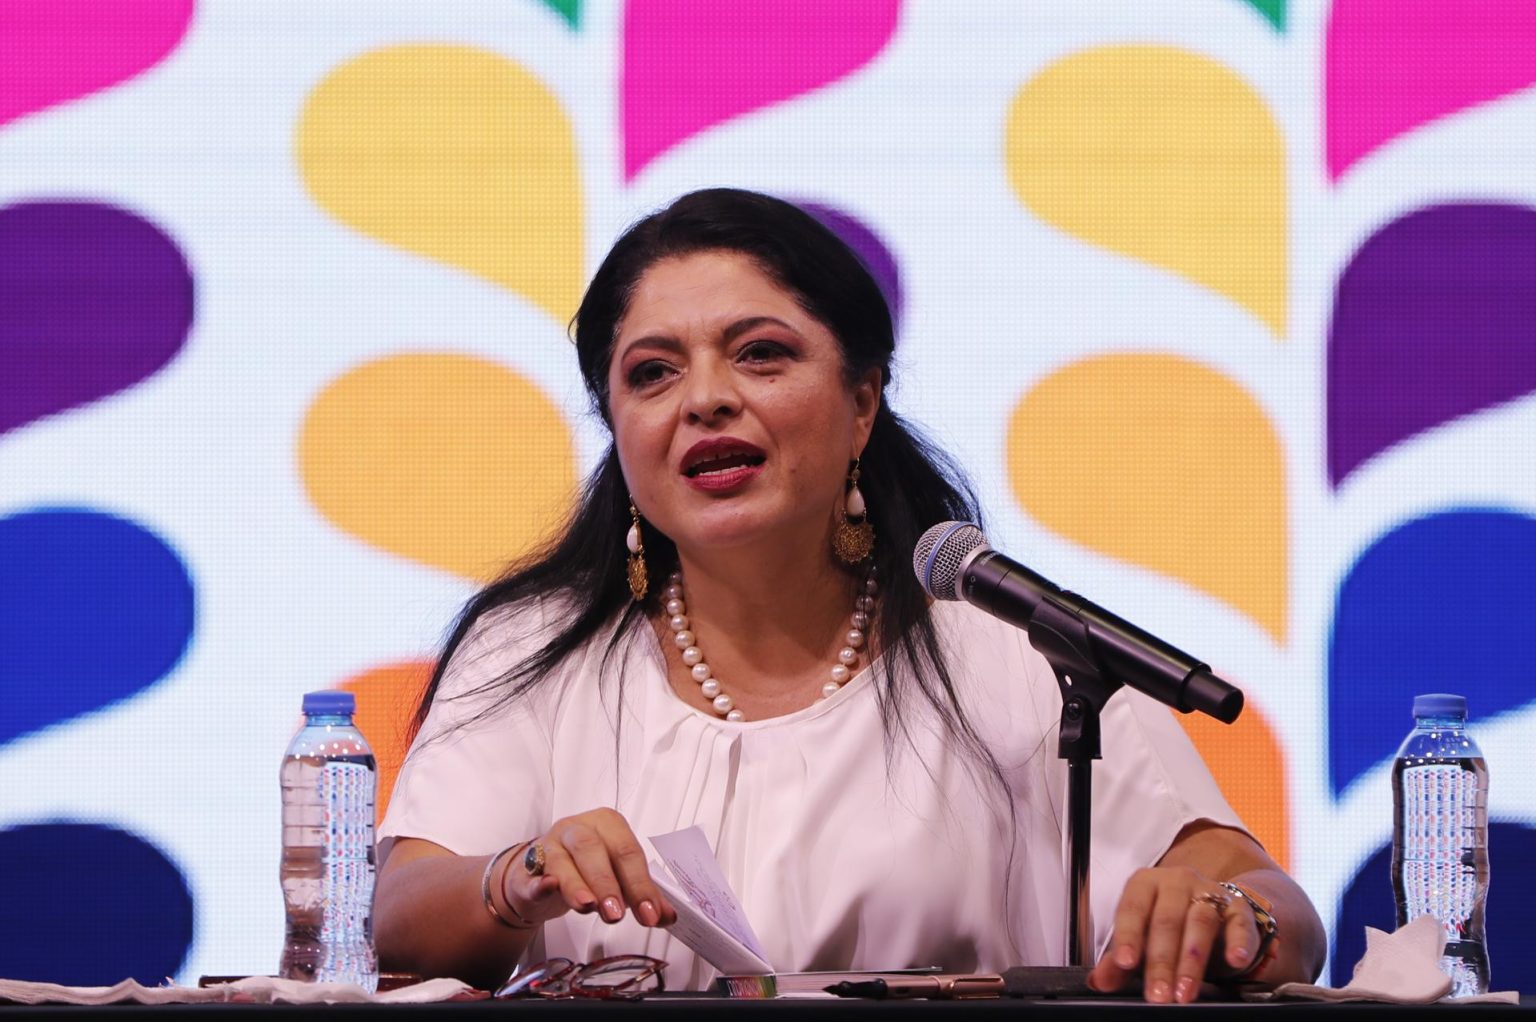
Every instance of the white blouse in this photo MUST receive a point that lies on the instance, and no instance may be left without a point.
(843, 856)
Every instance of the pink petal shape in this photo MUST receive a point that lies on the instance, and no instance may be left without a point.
(52, 51)
(1394, 65)
(691, 64)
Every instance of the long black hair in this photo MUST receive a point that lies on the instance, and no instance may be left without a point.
(907, 482)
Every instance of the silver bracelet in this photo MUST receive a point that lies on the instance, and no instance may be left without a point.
(1269, 932)
(490, 905)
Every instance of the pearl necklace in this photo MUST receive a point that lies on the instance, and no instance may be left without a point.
(709, 685)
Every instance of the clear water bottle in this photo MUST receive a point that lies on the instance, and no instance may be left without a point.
(1440, 836)
(329, 779)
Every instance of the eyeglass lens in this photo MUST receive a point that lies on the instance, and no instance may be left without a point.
(621, 976)
(546, 979)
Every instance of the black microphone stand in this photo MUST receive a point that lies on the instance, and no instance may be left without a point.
(1092, 653)
(1063, 639)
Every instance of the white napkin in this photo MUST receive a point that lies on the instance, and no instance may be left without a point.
(267, 989)
(252, 989)
(1398, 968)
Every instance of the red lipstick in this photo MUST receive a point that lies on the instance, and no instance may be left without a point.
(721, 463)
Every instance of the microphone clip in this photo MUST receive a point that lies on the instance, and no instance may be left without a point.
(1062, 638)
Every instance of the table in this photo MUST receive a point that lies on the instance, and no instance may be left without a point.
(698, 1007)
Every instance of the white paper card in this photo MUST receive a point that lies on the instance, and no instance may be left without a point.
(709, 918)
(729, 956)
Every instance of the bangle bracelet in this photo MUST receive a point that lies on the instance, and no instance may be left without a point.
(490, 905)
(1269, 932)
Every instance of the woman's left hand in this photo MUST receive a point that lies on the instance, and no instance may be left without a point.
(1170, 929)
(1176, 927)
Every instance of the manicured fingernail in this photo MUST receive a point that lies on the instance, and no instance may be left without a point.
(1158, 991)
(647, 914)
(1125, 956)
(1238, 955)
(585, 902)
(613, 909)
(1184, 990)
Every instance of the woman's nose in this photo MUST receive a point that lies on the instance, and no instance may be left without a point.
(710, 392)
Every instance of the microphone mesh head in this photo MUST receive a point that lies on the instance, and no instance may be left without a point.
(940, 553)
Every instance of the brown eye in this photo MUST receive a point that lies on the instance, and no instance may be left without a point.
(762, 351)
(647, 373)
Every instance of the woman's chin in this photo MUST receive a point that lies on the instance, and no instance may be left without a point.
(710, 534)
(701, 544)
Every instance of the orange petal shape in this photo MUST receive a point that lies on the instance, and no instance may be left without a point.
(386, 702)
(446, 459)
(456, 154)
(1249, 765)
(1165, 156)
(1165, 463)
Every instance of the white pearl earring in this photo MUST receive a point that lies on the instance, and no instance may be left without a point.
(853, 539)
(639, 579)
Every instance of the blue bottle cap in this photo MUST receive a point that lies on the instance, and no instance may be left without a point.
(329, 703)
(1440, 704)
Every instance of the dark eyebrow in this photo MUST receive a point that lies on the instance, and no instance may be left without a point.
(735, 330)
(661, 341)
(742, 326)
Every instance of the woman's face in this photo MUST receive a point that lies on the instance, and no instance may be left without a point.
(731, 416)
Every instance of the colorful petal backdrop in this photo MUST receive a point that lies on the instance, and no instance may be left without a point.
(1230, 308)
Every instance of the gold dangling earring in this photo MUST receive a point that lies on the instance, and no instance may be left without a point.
(854, 537)
(639, 580)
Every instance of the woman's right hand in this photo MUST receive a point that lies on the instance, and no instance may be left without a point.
(592, 863)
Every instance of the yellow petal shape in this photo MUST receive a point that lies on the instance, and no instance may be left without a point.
(1165, 463)
(456, 154)
(386, 704)
(445, 459)
(1248, 763)
(1165, 156)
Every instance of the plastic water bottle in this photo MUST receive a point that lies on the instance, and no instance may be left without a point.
(329, 778)
(1440, 835)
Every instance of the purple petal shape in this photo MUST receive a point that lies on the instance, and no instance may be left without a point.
(1433, 319)
(93, 299)
(869, 247)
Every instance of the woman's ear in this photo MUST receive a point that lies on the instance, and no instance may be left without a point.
(866, 402)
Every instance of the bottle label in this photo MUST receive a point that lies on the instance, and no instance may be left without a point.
(1440, 832)
(346, 795)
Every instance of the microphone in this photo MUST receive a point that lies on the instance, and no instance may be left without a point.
(954, 562)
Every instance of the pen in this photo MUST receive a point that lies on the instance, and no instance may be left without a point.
(943, 988)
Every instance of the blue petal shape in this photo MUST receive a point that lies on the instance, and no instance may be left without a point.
(1443, 603)
(93, 609)
(1511, 901)
(88, 905)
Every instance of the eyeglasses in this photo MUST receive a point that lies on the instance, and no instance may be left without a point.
(621, 978)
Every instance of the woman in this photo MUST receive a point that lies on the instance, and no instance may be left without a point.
(727, 634)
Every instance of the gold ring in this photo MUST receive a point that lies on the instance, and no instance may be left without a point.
(1220, 902)
(533, 859)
